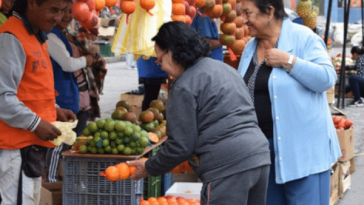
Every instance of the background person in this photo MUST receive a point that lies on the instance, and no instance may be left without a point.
(211, 122)
(4, 10)
(208, 30)
(287, 70)
(152, 77)
(65, 83)
(356, 82)
(27, 98)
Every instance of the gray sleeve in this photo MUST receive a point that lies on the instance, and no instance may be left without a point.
(182, 133)
(12, 63)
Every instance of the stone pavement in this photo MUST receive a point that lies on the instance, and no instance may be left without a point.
(120, 80)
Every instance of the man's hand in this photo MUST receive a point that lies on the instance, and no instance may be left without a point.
(46, 131)
(65, 115)
(140, 171)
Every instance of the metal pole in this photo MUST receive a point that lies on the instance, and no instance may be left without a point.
(362, 23)
(342, 73)
(328, 20)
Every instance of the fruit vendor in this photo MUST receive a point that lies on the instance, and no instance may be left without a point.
(211, 122)
(287, 70)
(356, 82)
(65, 83)
(208, 30)
(27, 98)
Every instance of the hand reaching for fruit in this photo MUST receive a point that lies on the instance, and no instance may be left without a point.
(140, 171)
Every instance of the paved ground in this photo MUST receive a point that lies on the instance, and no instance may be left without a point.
(119, 80)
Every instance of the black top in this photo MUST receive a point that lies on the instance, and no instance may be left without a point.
(262, 102)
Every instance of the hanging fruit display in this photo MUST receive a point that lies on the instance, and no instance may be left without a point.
(99, 4)
(147, 5)
(127, 7)
(308, 11)
(80, 11)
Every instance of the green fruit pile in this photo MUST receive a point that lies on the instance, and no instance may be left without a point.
(114, 137)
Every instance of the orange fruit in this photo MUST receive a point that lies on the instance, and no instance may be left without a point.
(111, 173)
(153, 137)
(162, 200)
(124, 171)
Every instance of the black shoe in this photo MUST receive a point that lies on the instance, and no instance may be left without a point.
(358, 103)
(137, 92)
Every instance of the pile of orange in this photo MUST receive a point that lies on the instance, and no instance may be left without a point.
(169, 200)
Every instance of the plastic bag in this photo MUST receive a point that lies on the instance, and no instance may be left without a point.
(135, 36)
(68, 135)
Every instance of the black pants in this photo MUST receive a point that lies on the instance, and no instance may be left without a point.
(54, 156)
(151, 92)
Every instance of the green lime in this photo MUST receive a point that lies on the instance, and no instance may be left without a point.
(128, 131)
(113, 135)
(120, 147)
(97, 134)
(155, 123)
(83, 149)
(108, 149)
(139, 150)
(100, 151)
(104, 134)
(143, 133)
(89, 148)
(127, 151)
(86, 132)
(133, 151)
(143, 141)
(92, 126)
(93, 150)
(113, 144)
(136, 128)
(127, 123)
(109, 126)
(149, 127)
(101, 123)
(126, 140)
(119, 126)
(119, 140)
(132, 144)
(114, 150)
(120, 134)
(105, 142)
(108, 119)
(97, 139)
(135, 136)
(92, 143)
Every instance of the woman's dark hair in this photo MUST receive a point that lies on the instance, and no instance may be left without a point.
(357, 50)
(264, 5)
(20, 6)
(184, 42)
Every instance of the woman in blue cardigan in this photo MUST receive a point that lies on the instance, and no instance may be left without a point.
(287, 71)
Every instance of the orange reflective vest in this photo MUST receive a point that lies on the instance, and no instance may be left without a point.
(36, 88)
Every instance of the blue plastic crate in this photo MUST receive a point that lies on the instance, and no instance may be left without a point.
(167, 182)
(82, 183)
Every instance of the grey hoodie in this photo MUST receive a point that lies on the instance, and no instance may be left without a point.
(210, 116)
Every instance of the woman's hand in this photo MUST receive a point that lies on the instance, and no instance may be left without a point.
(276, 58)
(140, 171)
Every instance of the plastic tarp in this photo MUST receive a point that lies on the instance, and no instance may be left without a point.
(135, 35)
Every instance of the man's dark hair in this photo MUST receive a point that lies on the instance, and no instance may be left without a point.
(263, 6)
(184, 42)
(20, 6)
(357, 50)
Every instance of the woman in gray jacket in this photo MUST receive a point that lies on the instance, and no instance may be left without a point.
(210, 121)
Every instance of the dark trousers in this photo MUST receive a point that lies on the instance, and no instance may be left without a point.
(151, 92)
(356, 83)
(54, 156)
(244, 188)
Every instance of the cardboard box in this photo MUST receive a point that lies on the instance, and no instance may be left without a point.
(330, 94)
(334, 184)
(51, 193)
(132, 99)
(346, 140)
(344, 177)
(187, 190)
(352, 165)
(107, 33)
